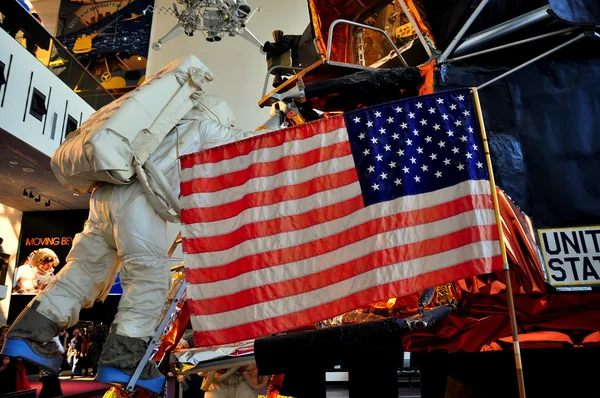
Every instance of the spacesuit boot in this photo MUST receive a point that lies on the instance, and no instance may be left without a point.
(119, 359)
(30, 338)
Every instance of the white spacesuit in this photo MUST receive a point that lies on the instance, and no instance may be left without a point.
(123, 233)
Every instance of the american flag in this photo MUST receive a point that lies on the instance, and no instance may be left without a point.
(296, 226)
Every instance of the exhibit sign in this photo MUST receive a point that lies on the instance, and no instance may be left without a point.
(571, 257)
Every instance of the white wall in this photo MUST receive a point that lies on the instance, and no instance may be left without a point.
(24, 73)
(10, 228)
(239, 67)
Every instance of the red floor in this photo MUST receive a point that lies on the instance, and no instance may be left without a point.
(75, 386)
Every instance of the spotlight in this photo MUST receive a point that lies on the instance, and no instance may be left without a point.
(30, 194)
(25, 192)
(47, 204)
(39, 198)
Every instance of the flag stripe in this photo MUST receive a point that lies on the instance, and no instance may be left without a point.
(261, 184)
(207, 215)
(283, 208)
(269, 140)
(342, 289)
(271, 256)
(330, 228)
(338, 255)
(263, 229)
(382, 258)
(266, 169)
(262, 155)
(356, 300)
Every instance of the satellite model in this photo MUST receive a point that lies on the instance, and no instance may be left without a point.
(214, 18)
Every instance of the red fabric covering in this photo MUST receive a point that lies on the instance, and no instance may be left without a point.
(22, 380)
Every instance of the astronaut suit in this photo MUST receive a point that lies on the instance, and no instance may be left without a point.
(123, 233)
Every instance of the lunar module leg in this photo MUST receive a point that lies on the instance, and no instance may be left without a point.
(156, 348)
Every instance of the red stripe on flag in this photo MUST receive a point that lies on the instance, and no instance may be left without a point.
(266, 169)
(379, 259)
(330, 243)
(276, 226)
(377, 293)
(266, 198)
(269, 140)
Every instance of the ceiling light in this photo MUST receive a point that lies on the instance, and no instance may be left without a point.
(28, 170)
(39, 198)
(139, 58)
(75, 194)
(13, 162)
(31, 194)
(25, 192)
(47, 204)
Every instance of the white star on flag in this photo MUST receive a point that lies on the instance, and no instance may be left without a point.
(371, 169)
(445, 117)
(398, 181)
(395, 136)
(419, 105)
(400, 152)
(453, 107)
(383, 176)
(361, 136)
(390, 119)
(387, 147)
(428, 139)
(424, 167)
(379, 158)
(423, 122)
(450, 133)
(377, 114)
(406, 170)
(455, 150)
(420, 150)
(480, 165)
(382, 131)
(413, 160)
(392, 165)
(417, 179)
(447, 162)
(468, 155)
(369, 124)
(442, 144)
(436, 126)
(470, 129)
(460, 166)
(411, 115)
(356, 119)
(416, 132)
(431, 110)
(475, 147)
(440, 100)
(409, 142)
(458, 123)
(374, 140)
(467, 113)
(398, 109)
(463, 138)
(404, 125)
(375, 187)
(461, 97)
(366, 151)
(433, 156)
(438, 174)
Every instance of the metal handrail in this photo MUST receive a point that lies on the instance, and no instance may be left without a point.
(339, 21)
(294, 68)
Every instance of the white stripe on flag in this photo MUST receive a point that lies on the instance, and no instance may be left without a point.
(337, 291)
(271, 212)
(318, 231)
(342, 255)
(260, 184)
(288, 148)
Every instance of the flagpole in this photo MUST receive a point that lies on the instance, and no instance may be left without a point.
(509, 291)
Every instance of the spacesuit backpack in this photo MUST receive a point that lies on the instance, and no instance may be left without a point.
(114, 144)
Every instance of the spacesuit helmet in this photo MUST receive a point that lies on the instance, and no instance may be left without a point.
(44, 259)
(211, 107)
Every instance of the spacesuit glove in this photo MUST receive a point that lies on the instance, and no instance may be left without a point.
(183, 381)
